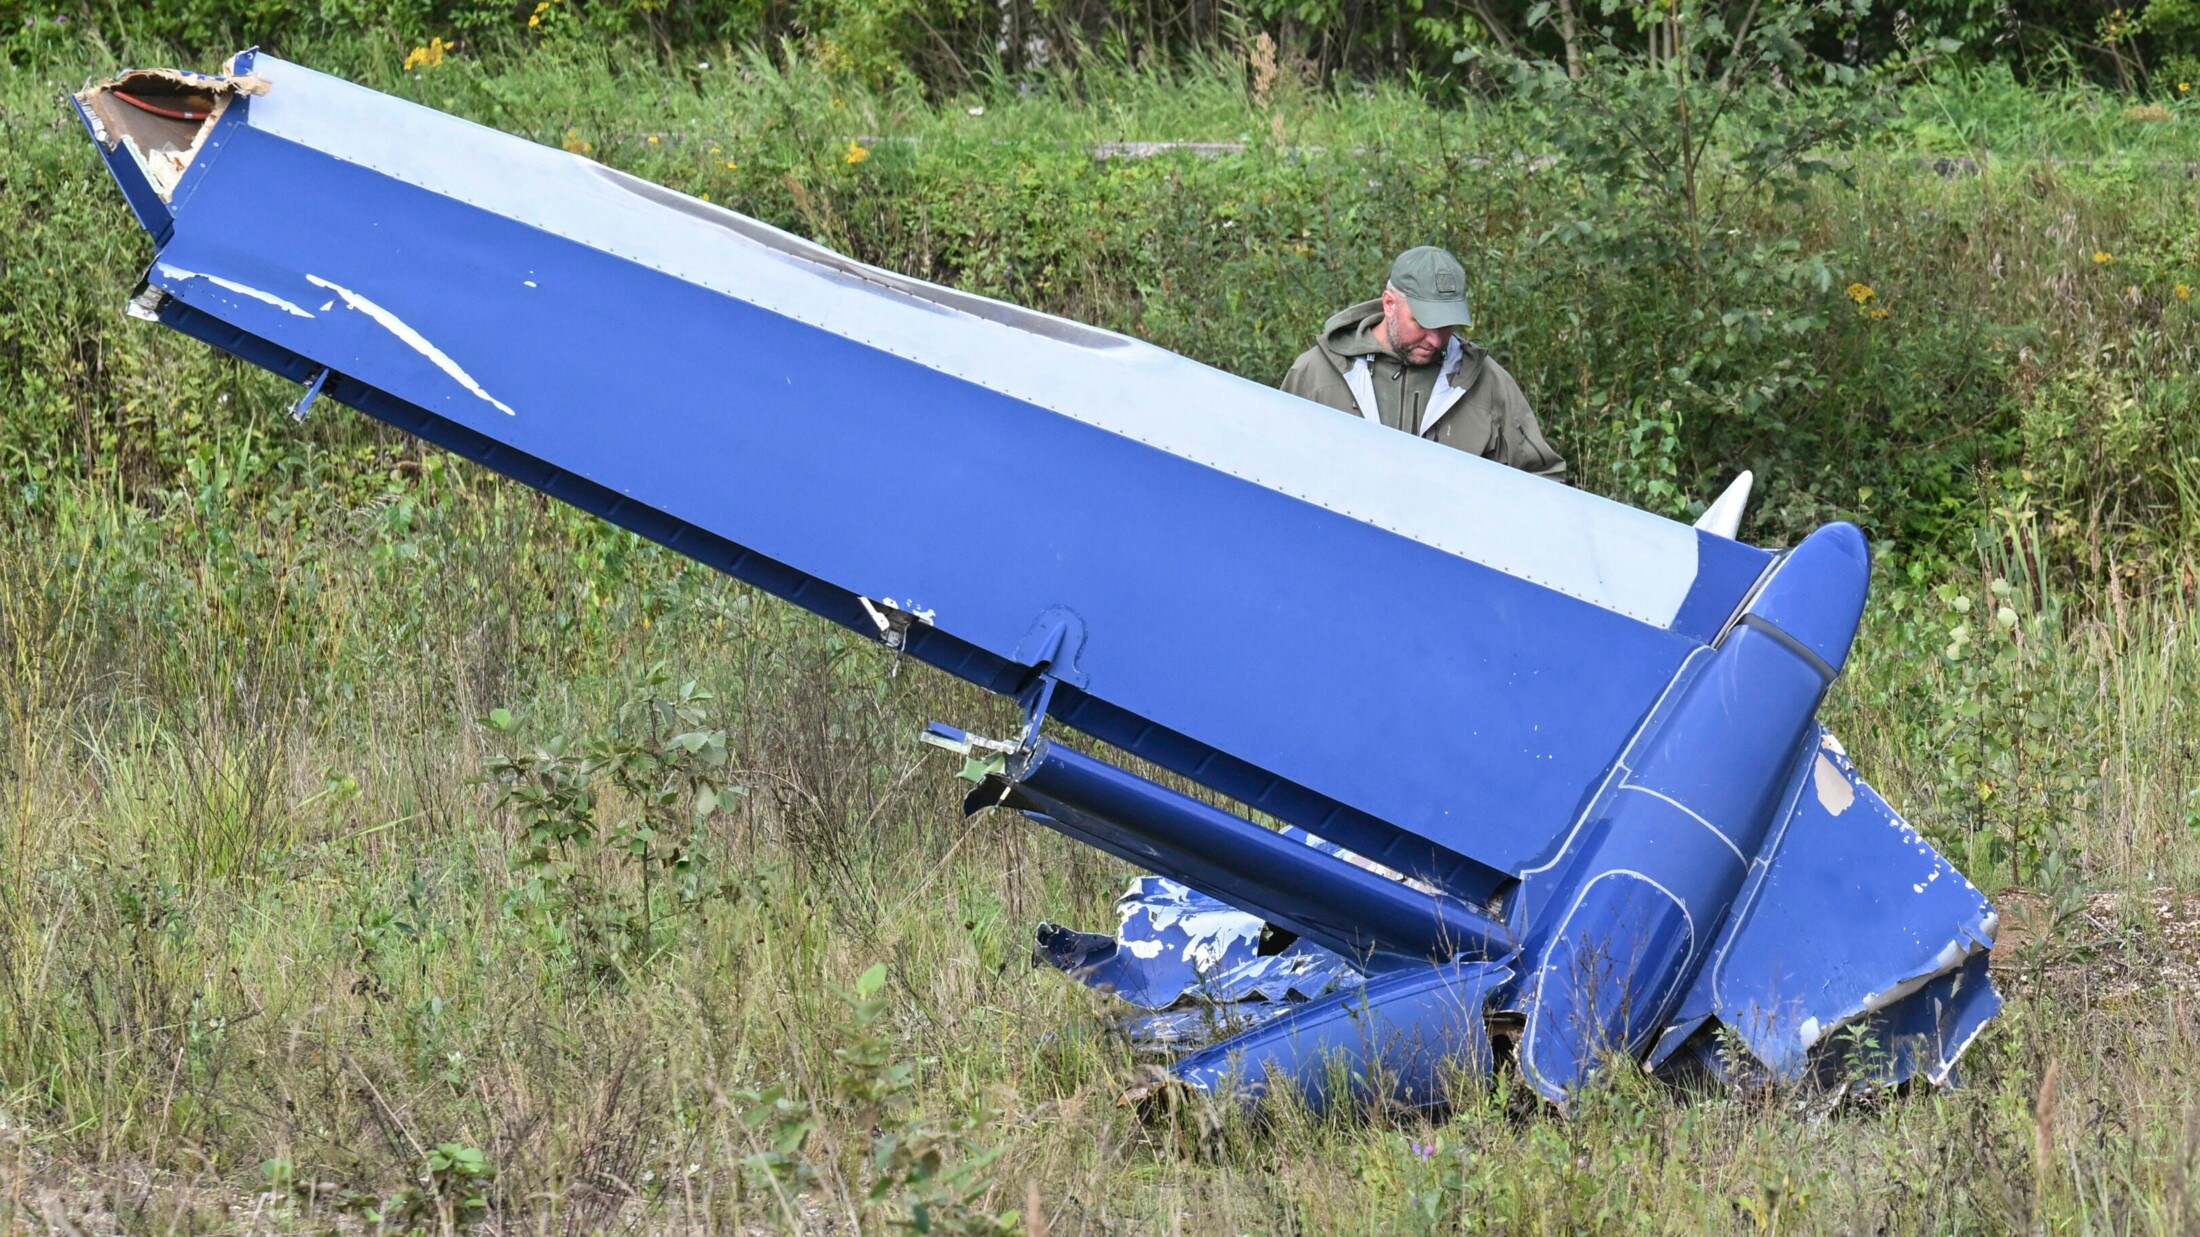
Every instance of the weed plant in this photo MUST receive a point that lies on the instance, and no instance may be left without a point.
(385, 848)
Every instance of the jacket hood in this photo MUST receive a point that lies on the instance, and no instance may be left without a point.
(1350, 333)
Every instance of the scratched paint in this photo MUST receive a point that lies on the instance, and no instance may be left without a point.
(412, 339)
(1178, 949)
(179, 275)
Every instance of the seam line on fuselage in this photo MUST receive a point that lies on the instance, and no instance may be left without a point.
(1691, 814)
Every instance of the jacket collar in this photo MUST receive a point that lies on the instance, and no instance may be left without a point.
(1452, 382)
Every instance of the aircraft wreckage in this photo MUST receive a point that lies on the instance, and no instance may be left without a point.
(1548, 769)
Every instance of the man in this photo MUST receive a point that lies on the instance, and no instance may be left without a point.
(1399, 361)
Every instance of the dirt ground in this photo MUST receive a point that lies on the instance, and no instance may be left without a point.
(2109, 947)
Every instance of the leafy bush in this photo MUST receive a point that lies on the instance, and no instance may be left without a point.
(953, 44)
(1871, 333)
(636, 798)
(256, 905)
(1680, 165)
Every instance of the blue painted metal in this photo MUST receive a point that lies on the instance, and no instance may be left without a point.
(1558, 755)
(1663, 853)
(1178, 946)
(1392, 1040)
(1851, 920)
(304, 405)
(1343, 908)
(806, 442)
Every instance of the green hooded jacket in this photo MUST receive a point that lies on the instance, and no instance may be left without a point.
(1464, 400)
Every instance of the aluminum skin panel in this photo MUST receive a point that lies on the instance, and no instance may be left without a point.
(1602, 552)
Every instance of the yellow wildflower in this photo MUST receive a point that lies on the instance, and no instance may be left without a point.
(574, 143)
(856, 154)
(2101, 257)
(731, 165)
(1861, 292)
(653, 139)
(534, 19)
(1878, 313)
(2182, 292)
(427, 57)
(2184, 88)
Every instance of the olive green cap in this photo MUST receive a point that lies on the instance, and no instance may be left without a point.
(1434, 285)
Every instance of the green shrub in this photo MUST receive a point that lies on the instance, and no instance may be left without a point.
(1879, 337)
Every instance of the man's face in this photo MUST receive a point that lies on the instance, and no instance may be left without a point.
(1411, 341)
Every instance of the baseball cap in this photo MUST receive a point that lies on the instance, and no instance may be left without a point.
(1434, 285)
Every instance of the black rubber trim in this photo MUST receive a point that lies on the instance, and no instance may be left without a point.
(1791, 644)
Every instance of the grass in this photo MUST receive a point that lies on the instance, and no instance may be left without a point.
(273, 952)
(1983, 111)
(260, 908)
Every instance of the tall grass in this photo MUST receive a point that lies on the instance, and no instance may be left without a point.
(332, 976)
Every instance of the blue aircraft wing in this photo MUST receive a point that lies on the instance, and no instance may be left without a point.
(1509, 697)
(1424, 638)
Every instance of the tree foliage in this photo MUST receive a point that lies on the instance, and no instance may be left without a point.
(951, 44)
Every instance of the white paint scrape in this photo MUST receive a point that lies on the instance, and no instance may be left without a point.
(412, 339)
(178, 274)
(1835, 793)
(1212, 932)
